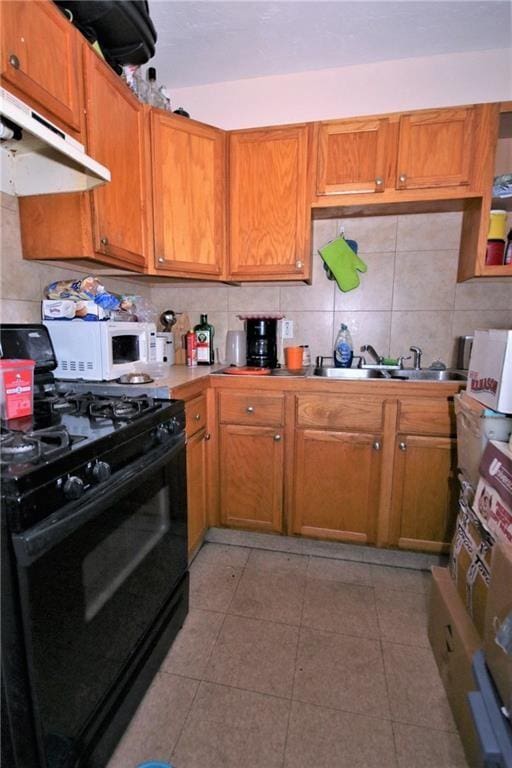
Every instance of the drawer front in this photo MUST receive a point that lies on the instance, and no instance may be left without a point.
(195, 415)
(427, 416)
(258, 409)
(361, 414)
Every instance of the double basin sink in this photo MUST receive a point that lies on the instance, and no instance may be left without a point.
(405, 374)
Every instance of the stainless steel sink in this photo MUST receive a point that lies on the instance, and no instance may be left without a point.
(348, 373)
(407, 374)
(411, 374)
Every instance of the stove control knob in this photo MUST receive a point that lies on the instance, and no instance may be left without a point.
(100, 472)
(161, 434)
(73, 487)
(174, 426)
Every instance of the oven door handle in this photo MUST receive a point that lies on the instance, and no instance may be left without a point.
(31, 544)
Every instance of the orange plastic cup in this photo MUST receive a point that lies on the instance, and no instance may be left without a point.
(293, 357)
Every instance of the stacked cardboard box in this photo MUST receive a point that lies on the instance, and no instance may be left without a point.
(498, 624)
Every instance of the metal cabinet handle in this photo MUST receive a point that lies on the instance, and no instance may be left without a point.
(161, 260)
(277, 438)
(207, 436)
(402, 178)
(250, 409)
(376, 445)
(299, 264)
(402, 446)
(379, 182)
(14, 61)
(197, 416)
(104, 241)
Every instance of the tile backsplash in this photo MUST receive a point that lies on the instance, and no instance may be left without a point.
(409, 294)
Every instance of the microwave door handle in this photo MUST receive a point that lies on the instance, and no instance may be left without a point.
(33, 543)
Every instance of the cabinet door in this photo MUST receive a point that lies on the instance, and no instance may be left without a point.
(353, 156)
(117, 136)
(268, 198)
(251, 477)
(435, 148)
(188, 171)
(196, 489)
(336, 485)
(40, 60)
(424, 493)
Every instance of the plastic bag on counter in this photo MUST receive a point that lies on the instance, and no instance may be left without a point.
(141, 309)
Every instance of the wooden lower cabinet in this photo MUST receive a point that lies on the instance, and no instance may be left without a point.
(424, 493)
(251, 477)
(336, 488)
(196, 489)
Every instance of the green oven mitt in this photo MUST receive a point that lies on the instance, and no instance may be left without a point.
(343, 262)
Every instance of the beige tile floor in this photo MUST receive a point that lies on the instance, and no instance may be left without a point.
(297, 661)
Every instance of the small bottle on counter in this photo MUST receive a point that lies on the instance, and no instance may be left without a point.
(191, 349)
(204, 332)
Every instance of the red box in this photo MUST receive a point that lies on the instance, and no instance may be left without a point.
(17, 388)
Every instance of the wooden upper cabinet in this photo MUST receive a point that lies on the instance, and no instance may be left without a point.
(40, 61)
(188, 173)
(353, 156)
(435, 149)
(118, 137)
(269, 216)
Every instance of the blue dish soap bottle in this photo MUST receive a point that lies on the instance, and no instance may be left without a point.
(343, 348)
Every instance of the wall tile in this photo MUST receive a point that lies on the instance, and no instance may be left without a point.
(314, 329)
(366, 328)
(20, 311)
(373, 234)
(425, 280)
(466, 321)
(428, 330)
(18, 279)
(322, 231)
(375, 290)
(317, 296)
(8, 202)
(429, 231)
(252, 298)
(191, 298)
(484, 294)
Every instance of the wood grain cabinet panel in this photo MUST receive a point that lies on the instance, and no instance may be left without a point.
(427, 416)
(435, 149)
(257, 408)
(195, 415)
(359, 414)
(269, 216)
(251, 477)
(40, 60)
(424, 493)
(336, 490)
(188, 172)
(196, 489)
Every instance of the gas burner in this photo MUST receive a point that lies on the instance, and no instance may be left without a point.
(122, 408)
(31, 447)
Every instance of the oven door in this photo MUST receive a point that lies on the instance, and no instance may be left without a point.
(95, 581)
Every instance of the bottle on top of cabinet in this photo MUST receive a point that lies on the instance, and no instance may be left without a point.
(204, 333)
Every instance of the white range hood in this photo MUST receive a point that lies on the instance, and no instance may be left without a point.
(44, 160)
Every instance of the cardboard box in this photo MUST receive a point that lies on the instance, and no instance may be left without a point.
(498, 624)
(476, 425)
(470, 563)
(496, 469)
(493, 513)
(454, 640)
(490, 369)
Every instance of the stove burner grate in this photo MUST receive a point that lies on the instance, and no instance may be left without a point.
(31, 447)
(124, 408)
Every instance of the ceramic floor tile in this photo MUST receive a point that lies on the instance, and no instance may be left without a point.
(406, 579)
(280, 562)
(254, 654)
(425, 748)
(416, 693)
(403, 616)
(341, 672)
(230, 728)
(222, 554)
(336, 607)
(155, 727)
(345, 571)
(212, 585)
(194, 643)
(269, 595)
(326, 738)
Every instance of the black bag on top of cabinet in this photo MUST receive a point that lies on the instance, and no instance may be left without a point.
(123, 28)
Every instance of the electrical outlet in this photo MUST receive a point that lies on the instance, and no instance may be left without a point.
(287, 329)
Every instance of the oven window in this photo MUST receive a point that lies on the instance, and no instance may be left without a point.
(125, 349)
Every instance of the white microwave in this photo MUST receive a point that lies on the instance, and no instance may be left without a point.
(100, 351)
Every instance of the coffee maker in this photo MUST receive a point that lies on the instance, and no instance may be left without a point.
(261, 341)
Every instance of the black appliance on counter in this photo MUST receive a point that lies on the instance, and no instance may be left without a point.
(94, 562)
(261, 342)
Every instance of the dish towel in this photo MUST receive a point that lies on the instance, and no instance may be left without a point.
(343, 262)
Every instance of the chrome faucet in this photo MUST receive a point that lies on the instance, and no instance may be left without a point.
(416, 363)
(368, 348)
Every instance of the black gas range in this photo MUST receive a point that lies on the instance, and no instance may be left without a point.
(94, 566)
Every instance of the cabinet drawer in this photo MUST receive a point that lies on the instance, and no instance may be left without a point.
(195, 415)
(425, 416)
(258, 408)
(357, 413)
